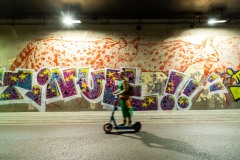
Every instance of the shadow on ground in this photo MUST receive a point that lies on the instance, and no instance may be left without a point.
(151, 140)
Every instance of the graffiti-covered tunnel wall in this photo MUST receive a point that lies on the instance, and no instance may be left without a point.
(50, 68)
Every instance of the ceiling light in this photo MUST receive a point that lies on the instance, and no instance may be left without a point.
(69, 21)
(214, 21)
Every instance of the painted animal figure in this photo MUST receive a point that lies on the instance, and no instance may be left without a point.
(176, 54)
(229, 55)
(97, 54)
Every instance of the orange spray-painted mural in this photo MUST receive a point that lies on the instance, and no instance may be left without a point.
(163, 56)
(148, 57)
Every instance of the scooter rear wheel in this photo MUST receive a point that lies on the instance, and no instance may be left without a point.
(108, 127)
(137, 126)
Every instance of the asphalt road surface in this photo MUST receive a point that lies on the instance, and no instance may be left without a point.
(156, 141)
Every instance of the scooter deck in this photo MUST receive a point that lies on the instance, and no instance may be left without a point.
(123, 127)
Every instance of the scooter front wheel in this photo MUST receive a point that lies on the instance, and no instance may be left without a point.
(107, 127)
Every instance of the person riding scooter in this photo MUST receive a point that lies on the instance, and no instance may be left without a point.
(125, 99)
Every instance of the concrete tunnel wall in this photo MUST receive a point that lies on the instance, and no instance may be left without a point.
(54, 68)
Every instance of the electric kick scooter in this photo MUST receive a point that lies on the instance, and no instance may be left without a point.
(109, 126)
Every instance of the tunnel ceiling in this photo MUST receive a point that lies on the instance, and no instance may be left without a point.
(119, 9)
